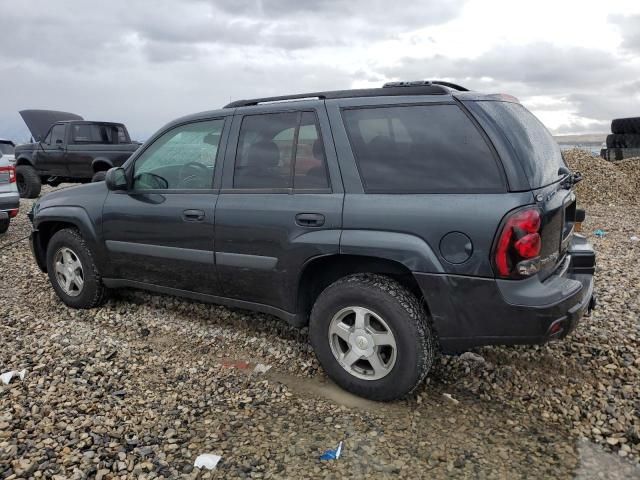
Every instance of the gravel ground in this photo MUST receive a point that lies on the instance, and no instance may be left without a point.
(141, 386)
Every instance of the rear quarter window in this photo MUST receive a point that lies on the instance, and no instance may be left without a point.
(421, 149)
(537, 151)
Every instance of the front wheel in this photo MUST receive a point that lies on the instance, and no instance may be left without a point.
(372, 336)
(28, 180)
(72, 270)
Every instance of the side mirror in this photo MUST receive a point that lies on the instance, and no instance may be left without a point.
(116, 179)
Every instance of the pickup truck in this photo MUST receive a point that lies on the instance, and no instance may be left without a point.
(67, 148)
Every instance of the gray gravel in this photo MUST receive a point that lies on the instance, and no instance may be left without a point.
(140, 387)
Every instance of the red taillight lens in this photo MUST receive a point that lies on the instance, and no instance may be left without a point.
(11, 170)
(529, 245)
(518, 240)
(13, 213)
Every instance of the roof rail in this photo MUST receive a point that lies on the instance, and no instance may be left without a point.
(425, 88)
(415, 83)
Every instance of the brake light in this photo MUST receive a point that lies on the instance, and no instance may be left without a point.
(13, 213)
(519, 244)
(11, 170)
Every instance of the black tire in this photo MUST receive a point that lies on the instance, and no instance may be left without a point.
(404, 314)
(4, 225)
(28, 180)
(98, 177)
(627, 140)
(626, 125)
(93, 291)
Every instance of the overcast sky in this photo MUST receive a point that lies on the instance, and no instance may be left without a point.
(575, 64)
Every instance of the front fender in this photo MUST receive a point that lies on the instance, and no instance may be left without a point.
(409, 250)
(71, 215)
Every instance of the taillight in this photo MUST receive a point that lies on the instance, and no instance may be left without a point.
(13, 213)
(11, 170)
(519, 244)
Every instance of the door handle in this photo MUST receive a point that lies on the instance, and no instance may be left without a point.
(310, 219)
(193, 215)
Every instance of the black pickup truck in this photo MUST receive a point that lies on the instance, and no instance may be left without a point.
(67, 148)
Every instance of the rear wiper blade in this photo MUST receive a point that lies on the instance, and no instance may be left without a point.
(570, 178)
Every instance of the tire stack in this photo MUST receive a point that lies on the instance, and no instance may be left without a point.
(624, 140)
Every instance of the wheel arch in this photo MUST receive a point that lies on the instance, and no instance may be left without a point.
(53, 219)
(320, 272)
(24, 160)
(101, 164)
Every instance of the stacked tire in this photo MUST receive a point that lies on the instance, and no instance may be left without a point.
(624, 140)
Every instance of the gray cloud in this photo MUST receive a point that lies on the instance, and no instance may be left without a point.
(592, 84)
(539, 66)
(147, 61)
(629, 26)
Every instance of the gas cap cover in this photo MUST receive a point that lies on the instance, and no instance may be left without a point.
(456, 247)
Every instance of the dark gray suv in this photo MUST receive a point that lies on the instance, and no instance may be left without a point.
(393, 222)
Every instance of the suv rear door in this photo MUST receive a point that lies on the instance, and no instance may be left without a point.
(280, 203)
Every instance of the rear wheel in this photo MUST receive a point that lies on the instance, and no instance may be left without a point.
(4, 225)
(72, 270)
(372, 336)
(29, 183)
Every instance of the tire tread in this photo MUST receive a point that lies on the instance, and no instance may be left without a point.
(416, 313)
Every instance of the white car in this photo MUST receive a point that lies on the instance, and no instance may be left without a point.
(7, 147)
(9, 198)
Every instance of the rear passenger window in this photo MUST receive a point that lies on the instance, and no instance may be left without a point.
(420, 149)
(280, 150)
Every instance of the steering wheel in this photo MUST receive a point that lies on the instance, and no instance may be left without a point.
(199, 171)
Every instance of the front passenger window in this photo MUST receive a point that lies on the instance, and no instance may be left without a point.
(182, 158)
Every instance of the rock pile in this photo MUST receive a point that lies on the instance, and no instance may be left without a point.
(607, 183)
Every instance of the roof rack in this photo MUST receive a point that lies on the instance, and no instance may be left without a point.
(389, 89)
(415, 83)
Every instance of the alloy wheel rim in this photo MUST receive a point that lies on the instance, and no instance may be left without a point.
(362, 343)
(68, 271)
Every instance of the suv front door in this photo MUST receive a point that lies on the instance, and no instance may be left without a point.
(280, 203)
(160, 232)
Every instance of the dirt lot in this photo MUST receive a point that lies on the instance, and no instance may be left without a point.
(140, 387)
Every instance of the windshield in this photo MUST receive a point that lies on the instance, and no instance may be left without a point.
(536, 149)
(6, 148)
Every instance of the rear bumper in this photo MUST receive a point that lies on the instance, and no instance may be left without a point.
(471, 311)
(9, 201)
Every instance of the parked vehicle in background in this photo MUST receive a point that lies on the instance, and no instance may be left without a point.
(68, 149)
(7, 149)
(9, 198)
(392, 221)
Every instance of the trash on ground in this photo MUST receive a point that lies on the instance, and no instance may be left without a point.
(207, 460)
(599, 233)
(7, 376)
(473, 357)
(450, 398)
(240, 364)
(634, 238)
(332, 454)
(261, 368)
